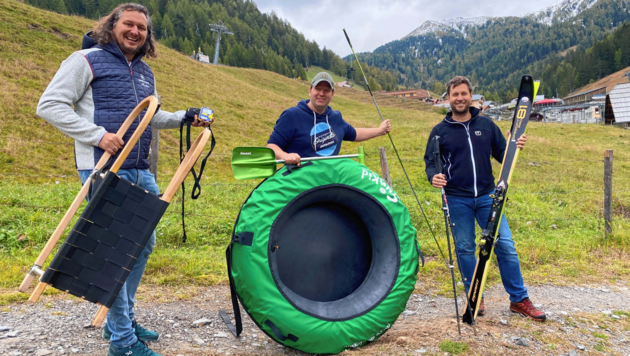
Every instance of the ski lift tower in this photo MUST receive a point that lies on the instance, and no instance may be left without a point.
(219, 28)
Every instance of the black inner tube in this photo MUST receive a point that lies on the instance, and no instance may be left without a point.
(334, 252)
(326, 253)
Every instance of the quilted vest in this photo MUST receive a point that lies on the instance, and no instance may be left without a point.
(117, 88)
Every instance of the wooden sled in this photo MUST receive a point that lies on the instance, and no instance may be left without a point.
(100, 251)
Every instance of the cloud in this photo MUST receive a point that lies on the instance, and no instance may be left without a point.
(372, 23)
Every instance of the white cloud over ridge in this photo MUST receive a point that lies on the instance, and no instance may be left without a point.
(372, 23)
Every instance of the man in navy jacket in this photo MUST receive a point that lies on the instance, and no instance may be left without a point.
(468, 141)
(313, 129)
(89, 98)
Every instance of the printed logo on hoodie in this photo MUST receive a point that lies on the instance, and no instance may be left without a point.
(323, 139)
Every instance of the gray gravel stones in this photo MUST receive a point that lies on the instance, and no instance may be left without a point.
(4, 328)
(193, 327)
(522, 342)
(201, 322)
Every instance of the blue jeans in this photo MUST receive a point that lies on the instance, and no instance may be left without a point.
(464, 211)
(120, 315)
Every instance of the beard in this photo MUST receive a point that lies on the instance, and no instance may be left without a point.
(128, 50)
(462, 112)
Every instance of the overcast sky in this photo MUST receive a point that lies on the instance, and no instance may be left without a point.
(372, 23)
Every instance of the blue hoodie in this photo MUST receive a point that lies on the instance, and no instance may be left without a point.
(301, 130)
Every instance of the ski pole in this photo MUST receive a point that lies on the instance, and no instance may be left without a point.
(394, 147)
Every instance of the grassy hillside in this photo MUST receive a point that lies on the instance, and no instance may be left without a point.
(609, 82)
(555, 209)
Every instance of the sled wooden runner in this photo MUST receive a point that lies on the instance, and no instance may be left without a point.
(100, 251)
(152, 103)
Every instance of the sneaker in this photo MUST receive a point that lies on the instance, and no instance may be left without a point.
(526, 308)
(137, 349)
(142, 333)
(482, 309)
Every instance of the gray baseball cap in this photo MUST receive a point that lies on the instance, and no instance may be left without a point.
(323, 77)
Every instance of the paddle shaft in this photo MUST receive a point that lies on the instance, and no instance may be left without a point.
(306, 159)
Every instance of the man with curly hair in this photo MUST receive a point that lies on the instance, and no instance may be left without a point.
(89, 98)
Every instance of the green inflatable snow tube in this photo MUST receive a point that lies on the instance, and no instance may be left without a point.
(324, 256)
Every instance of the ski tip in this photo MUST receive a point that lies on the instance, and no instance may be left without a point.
(536, 86)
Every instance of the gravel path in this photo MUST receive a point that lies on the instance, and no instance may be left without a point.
(582, 320)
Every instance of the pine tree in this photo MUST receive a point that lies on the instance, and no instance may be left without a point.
(58, 6)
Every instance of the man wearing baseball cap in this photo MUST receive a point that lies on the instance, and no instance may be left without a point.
(313, 129)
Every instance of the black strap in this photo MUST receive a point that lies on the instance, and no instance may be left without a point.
(279, 334)
(420, 253)
(237, 327)
(292, 167)
(197, 178)
(244, 238)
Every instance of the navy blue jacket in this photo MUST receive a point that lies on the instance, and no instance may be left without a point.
(118, 87)
(466, 149)
(300, 130)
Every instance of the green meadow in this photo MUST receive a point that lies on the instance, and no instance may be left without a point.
(555, 208)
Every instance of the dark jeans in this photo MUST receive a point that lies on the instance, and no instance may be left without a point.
(464, 211)
(120, 315)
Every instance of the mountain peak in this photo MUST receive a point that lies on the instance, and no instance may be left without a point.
(458, 24)
(562, 10)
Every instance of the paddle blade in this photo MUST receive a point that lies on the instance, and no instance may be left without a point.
(253, 162)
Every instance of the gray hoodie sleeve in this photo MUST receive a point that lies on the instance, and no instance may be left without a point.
(163, 120)
(69, 85)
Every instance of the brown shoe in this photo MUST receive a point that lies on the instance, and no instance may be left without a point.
(526, 308)
(482, 309)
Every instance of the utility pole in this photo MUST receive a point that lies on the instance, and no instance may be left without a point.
(219, 28)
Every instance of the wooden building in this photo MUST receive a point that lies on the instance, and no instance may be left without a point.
(409, 94)
(584, 97)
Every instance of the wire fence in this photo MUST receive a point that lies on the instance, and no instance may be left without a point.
(401, 188)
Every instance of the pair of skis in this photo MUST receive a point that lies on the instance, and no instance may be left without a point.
(490, 235)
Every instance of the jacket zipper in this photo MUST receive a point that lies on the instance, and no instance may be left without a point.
(472, 158)
(136, 94)
(472, 155)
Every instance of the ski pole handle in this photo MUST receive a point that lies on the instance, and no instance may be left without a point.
(436, 155)
(306, 159)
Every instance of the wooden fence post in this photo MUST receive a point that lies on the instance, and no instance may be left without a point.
(153, 152)
(608, 173)
(384, 166)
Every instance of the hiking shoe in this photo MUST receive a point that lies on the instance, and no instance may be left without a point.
(141, 333)
(482, 309)
(144, 334)
(526, 308)
(137, 349)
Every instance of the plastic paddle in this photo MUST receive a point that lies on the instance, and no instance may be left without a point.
(260, 162)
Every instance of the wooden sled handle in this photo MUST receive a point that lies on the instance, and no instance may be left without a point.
(152, 103)
(100, 316)
(184, 168)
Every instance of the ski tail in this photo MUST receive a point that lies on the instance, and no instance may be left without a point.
(525, 102)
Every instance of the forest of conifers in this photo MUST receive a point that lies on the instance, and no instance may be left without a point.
(261, 41)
